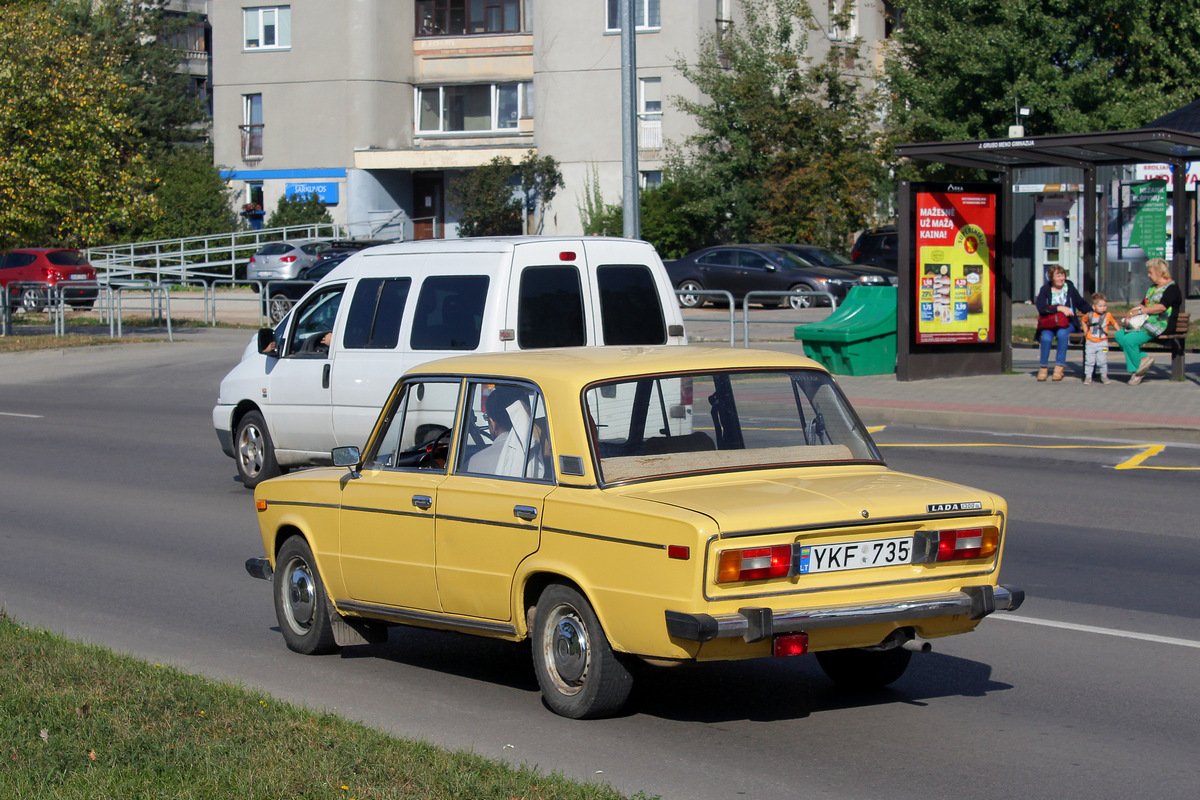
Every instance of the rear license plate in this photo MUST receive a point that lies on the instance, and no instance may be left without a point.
(855, 555)
(82, 277)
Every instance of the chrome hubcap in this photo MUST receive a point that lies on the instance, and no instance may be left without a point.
(300, 595)
(567, 651)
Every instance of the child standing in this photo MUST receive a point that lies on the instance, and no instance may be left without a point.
(1096, 325)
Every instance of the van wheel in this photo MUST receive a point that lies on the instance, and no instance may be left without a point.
(864, 670)
(278, 307)
(301, 605)
(253, 451)
(690, 300)
(578, 672)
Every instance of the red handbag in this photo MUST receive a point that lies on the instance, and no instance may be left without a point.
(1052, 322)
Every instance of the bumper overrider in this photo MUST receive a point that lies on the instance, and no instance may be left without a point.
(754, 624)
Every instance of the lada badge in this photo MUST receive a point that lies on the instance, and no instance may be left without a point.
(939, 508)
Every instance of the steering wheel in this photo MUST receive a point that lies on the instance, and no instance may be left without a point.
(430, 454)
(315, 343)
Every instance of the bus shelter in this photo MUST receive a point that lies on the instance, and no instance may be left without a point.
(954, 315)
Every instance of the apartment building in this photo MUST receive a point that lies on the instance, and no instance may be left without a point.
(376, 106)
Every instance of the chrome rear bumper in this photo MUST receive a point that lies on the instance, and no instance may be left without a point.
(755, 624)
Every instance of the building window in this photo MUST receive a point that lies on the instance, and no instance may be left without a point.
(467, 17)
(646, 14)
(650, 113)
(268, 28)
(843, 12)
(252, 126)
(473, 108)
(651, 178)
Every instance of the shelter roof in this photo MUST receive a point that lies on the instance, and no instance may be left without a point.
(1078, 150)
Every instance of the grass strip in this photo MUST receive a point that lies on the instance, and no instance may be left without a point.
(78, 721)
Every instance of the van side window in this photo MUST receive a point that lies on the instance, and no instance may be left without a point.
(630, 310)
(375, 313)
(449, 314)
(550, 308)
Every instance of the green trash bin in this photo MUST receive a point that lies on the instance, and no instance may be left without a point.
(859, 338)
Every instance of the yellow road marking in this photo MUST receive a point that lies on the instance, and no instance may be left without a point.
(1133, 462)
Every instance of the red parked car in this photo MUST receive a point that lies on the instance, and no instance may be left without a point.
(28, 274)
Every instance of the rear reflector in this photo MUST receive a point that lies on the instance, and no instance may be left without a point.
(754, 563)
(679, 551)
(967, 543)
(792, 644)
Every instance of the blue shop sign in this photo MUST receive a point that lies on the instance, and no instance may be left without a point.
(326, 190)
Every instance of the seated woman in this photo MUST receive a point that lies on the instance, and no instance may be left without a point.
(1161, 306)
(1057, 295)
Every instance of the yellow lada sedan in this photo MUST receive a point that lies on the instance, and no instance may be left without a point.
(668, 504)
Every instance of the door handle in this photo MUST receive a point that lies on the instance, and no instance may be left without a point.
(527, 513)
(325, 376)
(422, 501)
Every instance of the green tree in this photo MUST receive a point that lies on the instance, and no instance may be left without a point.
(786, 149)
(71, 169)
(958, 69)
(193, 198)
(503, 199)
(141, 37)
(301, 209)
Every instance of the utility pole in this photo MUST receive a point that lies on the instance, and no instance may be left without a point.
(631, 203)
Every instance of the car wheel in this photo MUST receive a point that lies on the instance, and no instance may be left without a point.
(690, 300)
(301, 605)
(863, 670)
(798, 302)
(278, 307)
(577, 670)
(33, 299)
(253, 451)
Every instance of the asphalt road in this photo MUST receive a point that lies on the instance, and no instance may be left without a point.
(122, 523)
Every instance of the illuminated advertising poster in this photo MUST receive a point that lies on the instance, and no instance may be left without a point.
(956, 255)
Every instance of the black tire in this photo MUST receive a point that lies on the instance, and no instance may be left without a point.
(690, 300)
(32, 300)
(277, 307)
(253, 451)
(576, 668)
(801, 302)
(301, 605)
(864, 670)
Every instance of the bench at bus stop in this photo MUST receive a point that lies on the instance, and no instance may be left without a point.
(1173, 341)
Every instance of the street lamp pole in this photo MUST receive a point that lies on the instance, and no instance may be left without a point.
(631, 204)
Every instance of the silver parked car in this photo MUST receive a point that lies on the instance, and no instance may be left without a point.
(282, 261)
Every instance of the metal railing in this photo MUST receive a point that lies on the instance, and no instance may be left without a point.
(193, 258)
(750, 297)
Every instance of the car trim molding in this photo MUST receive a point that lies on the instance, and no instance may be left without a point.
(602, 538)
(855, 523)
(407, 617)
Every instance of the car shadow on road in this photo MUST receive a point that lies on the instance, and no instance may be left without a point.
(769, 690)
(760, 690)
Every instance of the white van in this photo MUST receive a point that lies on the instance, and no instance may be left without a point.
(318, 380)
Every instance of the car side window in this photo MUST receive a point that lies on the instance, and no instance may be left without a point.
(505, 433)
(550, 308)
(720, 258)
(753, 260)
(376, 311)
(314, 324)
(14, 260)
(449, 313)
(417, 428)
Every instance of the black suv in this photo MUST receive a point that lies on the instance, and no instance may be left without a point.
(877, 247)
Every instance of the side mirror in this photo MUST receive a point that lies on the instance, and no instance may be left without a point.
(348, 456)
(266, 342)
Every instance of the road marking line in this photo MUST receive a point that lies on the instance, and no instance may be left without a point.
(1145, 637)
(26, 416)
(1134, 462)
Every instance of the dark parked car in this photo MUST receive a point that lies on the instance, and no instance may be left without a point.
(27, 275)
(824, 257)
(877, 246)
(743, 268)
(284, 295)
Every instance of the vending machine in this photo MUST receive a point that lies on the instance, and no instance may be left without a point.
(1058, 233)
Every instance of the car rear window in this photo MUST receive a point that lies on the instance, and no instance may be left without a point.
(275, 249)
(550, 308)
(449, 313)
(630, 309)
(375, 313)
(67, 258)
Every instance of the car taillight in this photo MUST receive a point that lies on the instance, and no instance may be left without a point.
(754, 563)
(967, 543)
(251, 259)
(288, 259)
